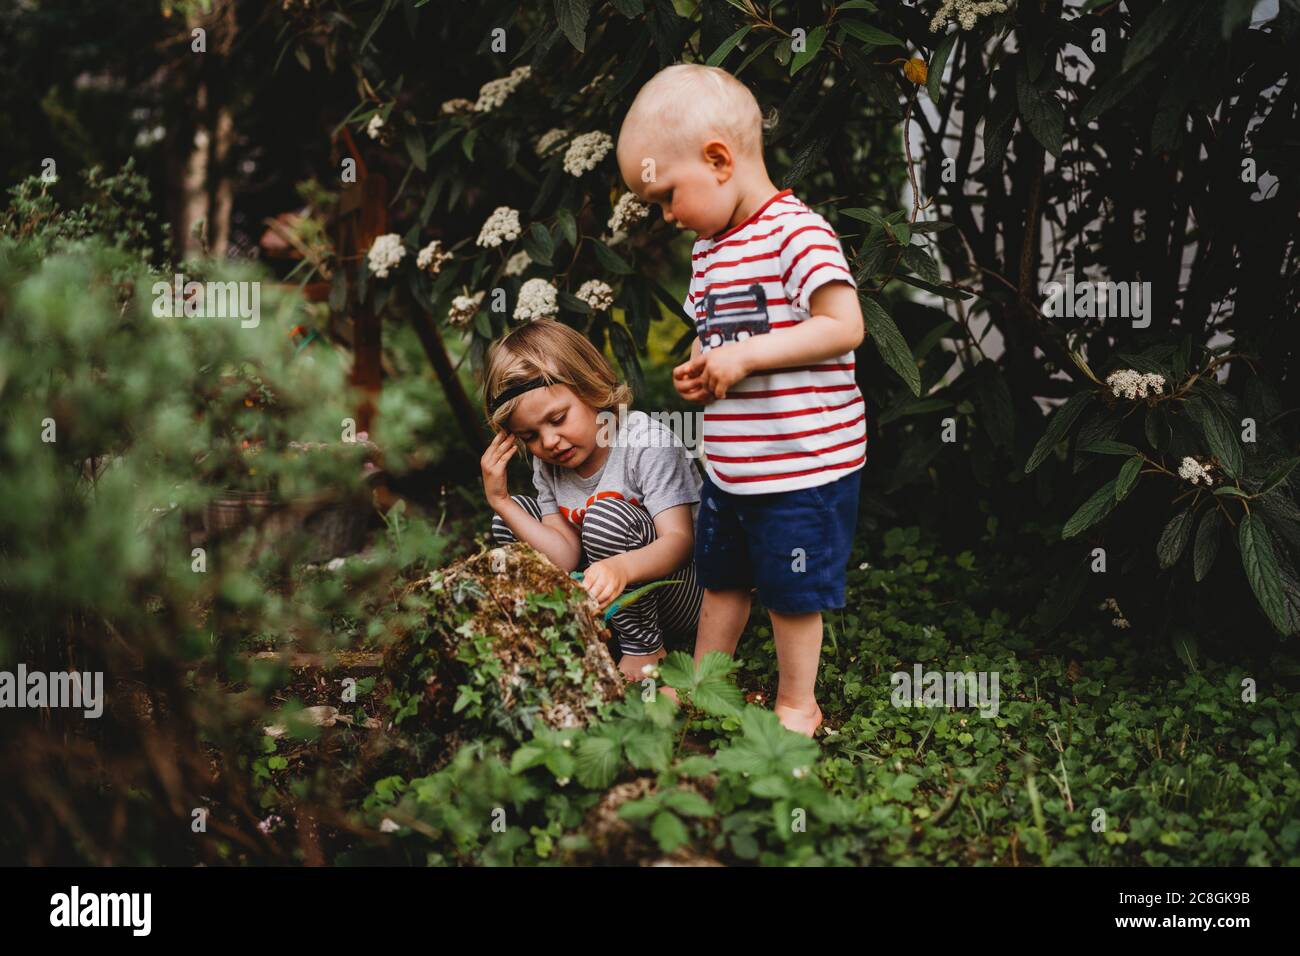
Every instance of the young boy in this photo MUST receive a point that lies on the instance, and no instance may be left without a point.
(778, 318)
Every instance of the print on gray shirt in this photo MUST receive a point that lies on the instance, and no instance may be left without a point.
(647, 466)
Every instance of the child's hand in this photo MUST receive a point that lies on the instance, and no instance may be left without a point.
(605, 580)
(723, 367)
(494, 463)
(687, 380)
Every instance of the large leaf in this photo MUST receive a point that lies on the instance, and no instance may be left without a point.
(1206, 547)
(1174, 538)
(727, 45)
(598, 761)
(869, 34)
(1041, 112)
(539, 245)
(812, 45)
(1116, 90)
(1261, 566)
(1128, 477)
(937, 63)
(1219, 434)
(766, 747)
(1277, 476)
(891, 345)
(1059, 424)
(669, 831)
(1092, 510)
(712, 690)
(1155, 30)
(609, 259)
(572, 16)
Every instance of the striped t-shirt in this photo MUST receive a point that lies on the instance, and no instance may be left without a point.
(785, 428)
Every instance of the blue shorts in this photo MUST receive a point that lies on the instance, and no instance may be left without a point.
(793, 546)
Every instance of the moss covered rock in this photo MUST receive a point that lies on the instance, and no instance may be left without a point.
(510, 640)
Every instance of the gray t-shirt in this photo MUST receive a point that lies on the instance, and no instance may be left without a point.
(647, 465)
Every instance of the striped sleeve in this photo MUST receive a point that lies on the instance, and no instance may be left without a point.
(810, 257)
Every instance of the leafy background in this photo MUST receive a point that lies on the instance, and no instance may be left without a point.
(1110, 140)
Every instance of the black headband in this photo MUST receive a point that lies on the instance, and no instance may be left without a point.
(515, 390)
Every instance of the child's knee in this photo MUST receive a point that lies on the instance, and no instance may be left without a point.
(613, 526)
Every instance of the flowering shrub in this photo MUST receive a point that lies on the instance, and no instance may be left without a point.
(1020, 165)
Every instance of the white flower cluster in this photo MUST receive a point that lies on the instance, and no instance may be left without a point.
(586, 152)
(463, 308)
(537, 300)
(432, 257)
(547, 140)
(385, 253)
(457, 105)
(374, 127)
(494, 93)
(501, 226)
(965, 12)
(518, 263)
(1128, 383)
(1192, 470)
(627, 210)
(1110, 604)
(596, 294)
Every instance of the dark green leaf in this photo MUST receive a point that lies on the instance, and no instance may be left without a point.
(1219, 434)
(571, 302)
(416, 149)
(812, 45)
(609, 259)
(1107, 446)
(1057, 427)
(1128, 476)
(1261, 566)
(1092, 510)
(1277, 476)
(1042, 113)
(567, 226)
(869, 35)
(727, 45)
(920, 262)
(806, 159)
(624, 349)
(944, 291)
(891, 345)
(572, 16)
(1207, 543)
(1154, 31)
(1174, 538)
(934, 73)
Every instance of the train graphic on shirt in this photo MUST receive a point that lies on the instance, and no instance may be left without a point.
(737, 322)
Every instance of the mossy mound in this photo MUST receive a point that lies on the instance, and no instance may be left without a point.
(510, 640)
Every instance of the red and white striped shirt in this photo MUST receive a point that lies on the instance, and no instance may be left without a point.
(785, 428)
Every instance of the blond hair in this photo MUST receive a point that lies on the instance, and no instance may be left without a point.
(686, 104)
(558, 355)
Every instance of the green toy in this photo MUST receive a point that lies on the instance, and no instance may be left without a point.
(627, 599)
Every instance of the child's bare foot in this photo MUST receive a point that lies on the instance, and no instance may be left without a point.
(800, 721)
